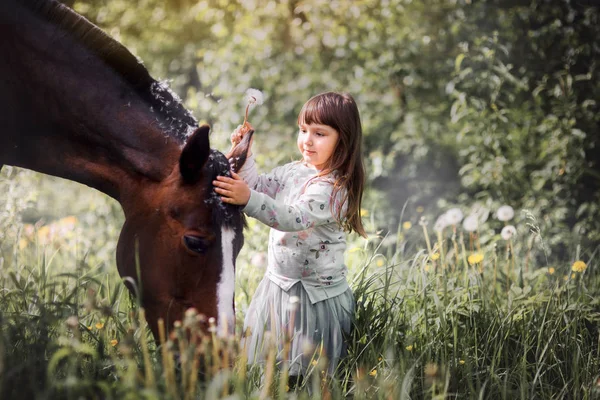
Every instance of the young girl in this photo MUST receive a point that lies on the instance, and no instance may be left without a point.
(308, 204)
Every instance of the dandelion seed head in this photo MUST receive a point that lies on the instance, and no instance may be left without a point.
(505, 213)
(454, 216)
(441, 223)
(72, 321)
(254, 96)
(471, 223)
(508, 232)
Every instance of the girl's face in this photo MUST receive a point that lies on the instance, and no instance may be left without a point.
(316, 143)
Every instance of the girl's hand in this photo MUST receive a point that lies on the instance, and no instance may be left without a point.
(239, 132)
(232, 190)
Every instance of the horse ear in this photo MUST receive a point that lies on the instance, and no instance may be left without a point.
(237, 156)
(194, 155)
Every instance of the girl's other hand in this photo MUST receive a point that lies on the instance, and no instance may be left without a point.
(233, 190)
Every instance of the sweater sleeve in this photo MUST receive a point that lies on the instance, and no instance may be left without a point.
(312, 208)
(264, 183)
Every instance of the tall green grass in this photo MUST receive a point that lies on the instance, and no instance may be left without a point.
(438, 316)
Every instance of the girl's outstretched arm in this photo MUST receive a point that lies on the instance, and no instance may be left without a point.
(312, 208)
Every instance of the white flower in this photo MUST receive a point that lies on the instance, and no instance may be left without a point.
(505, 213)
(508, 231)
(441, 223)
(471, 223)
(254, 96)
(454, 216)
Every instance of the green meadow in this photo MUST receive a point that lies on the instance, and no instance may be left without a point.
(450, 313)
(466, 106)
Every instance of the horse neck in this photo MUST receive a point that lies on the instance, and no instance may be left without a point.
(68, 114)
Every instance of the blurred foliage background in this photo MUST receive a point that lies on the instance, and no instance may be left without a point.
(468, 103)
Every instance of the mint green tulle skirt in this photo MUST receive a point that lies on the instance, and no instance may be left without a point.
(315, 333)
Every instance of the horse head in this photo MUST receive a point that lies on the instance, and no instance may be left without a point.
(82, 107)
(184, 239)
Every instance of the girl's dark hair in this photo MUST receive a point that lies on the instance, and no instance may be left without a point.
(339, 111)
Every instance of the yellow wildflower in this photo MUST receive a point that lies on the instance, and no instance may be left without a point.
(380, 262)
(420, 209)
(364, 213)
(578, 266)
(427, 267)
(435, 256)
(406, 225)
(461, 362)
(314, 362)
(475, 258)
(551, 270)
(89, 327)
(99, 325)
(373, 372)
(573, 276)
(409, 347)
(114, 342)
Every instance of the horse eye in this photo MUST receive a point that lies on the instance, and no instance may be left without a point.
(196, 244)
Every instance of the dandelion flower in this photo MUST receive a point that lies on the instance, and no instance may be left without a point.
(435, 256)
(573, 276)
(551, 270)
(409, 347)
(373, 372)
(441, 223)
(454, 216)
(406, 225)
(423, 221)
(114, 342)
(470, 224)
(505, 213)
(461, 362)
(380, 263)
(99, 325)
(475, 258)
(578, 266)
(508, 231)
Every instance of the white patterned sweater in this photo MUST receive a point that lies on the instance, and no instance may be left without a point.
(306, 244)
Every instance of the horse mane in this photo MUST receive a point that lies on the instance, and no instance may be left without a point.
(178, 121)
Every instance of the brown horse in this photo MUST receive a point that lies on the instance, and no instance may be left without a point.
(76, 104)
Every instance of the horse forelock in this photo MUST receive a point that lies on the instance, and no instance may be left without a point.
(175, 120)
(223, 214)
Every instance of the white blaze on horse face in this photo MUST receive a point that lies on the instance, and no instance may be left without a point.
(226, 285)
